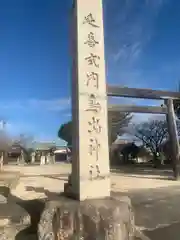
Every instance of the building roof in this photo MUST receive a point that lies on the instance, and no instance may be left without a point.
(44, 145)
(15, 148)
(120, 144)
(130, 147)
(62, 150)
(121, 141)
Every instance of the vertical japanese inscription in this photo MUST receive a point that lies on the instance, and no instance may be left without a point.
(92, 80)
(92, 59)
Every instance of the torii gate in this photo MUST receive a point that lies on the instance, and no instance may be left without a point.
(90, 165)
(167, 109)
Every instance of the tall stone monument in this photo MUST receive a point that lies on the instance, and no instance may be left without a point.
(90, 165)
(97, 215)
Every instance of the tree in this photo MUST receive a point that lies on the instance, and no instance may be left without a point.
(177, 107)
(176, 103)
(117, 122)
(130, 150)
(65, 132)
(5, 143)
(152, 133)
(24, 141)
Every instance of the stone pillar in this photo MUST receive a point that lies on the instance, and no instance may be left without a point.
(53, 158)
(18, 160)
(21, 158)
(48, 158)
(173, 138)
(2, 160)
(43, 160)
(90, 176)
(33, 157)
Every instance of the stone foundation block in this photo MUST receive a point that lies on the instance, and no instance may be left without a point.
(102, 219)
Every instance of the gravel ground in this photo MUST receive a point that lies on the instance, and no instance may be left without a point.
(46, 181)
(155, 198)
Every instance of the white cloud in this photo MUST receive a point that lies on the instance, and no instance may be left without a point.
(155, 4)
(132, 26)
(142, 117)
(50, 105)
(37, 104)
(13, 130)
(128, 52)
(129, 28)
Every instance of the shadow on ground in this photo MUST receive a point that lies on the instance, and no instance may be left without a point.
(157, 211)
(143, 172)
(34, 209)
(62, 177)
(167, 232)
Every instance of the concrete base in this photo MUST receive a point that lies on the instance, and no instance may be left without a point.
(111, 219)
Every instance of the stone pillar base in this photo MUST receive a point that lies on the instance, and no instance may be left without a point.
(88, 189)
(102, 219)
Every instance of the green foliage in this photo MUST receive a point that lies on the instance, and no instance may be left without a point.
(117, 123)
(65, 132)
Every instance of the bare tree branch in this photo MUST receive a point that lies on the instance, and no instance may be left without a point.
(117, 123)
(152, 134)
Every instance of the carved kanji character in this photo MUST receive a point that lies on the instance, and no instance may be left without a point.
(89, 19)
(94, 147)
(92, 60)
(93, 104)
(91, 42)
(93, 78)
(94, 125)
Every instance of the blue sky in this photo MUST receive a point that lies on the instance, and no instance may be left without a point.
(142, 50)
